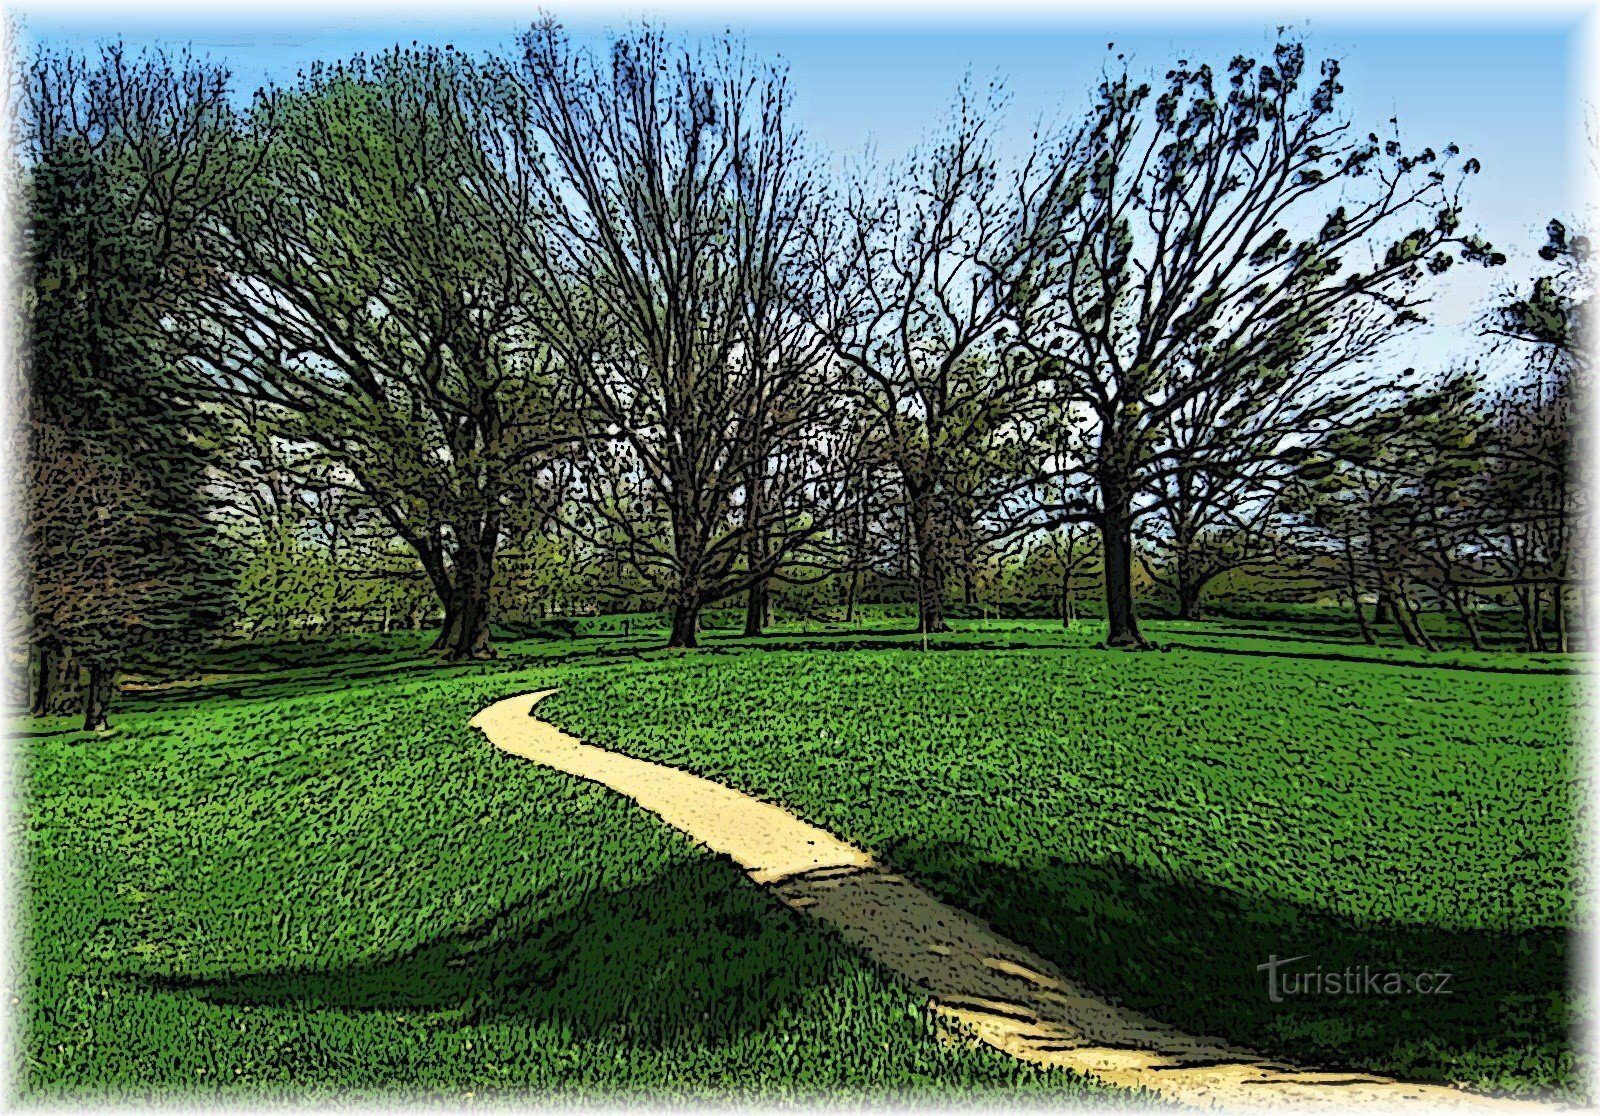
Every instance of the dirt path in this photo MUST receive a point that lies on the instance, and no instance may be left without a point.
(1010, 998)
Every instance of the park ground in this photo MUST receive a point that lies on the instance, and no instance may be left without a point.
(301, 872)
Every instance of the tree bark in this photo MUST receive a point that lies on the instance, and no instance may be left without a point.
(1066, 594)
(1528, 598)
(1353, 581)
(1189, 607)
(1468, 620)
(756, 609)
(449, 627)
(58, 689)
(1116, 535)
(685, 622)
(755, 605)
(471, 638)
(1558, 606)
(97, 697)
(1415, 615)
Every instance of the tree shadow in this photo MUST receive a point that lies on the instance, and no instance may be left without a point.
(1376, 660)
(1189, 954)
(696, 955)
(306, 681)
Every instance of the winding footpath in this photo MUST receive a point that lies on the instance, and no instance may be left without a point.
(1010, 998)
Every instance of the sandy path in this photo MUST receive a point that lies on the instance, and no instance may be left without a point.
(1010, 998)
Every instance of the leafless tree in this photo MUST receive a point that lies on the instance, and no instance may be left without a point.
(914, 277)
(679, 191)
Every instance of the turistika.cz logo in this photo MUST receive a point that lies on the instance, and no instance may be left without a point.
(1352, 980)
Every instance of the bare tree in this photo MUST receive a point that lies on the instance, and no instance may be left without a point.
(914, 282)
(679, 191)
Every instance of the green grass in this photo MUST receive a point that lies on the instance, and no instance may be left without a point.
(1159, 824)
(351, 892)
(276, 884)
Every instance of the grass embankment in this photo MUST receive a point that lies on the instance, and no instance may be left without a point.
(272, 882)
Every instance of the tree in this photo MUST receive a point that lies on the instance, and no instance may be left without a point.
(678, 189)
(1537, 427)
(1376, 498)
(913, 288)
(125, 160)
(380, 304)
(1174, 273)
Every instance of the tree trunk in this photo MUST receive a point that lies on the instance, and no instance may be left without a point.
(1383, 613)
(1066, 595)
(1469, 621)
(755, 605)
(685, 622)
(1405, 617)
(44, 661)
(1353, 580)
(58, 689)
(1528, 599)
(471, 637)
(449, 626)
(1188, 598)
(1558, 606)
(97, 697)
(930, 569)
(930, 603)
(1415, 615)
(755, 609)
(1116, 534)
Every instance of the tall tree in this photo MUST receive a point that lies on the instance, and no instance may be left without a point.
(1176, 273)
(380, 303)
(125, 160)
(1537, 485)
(678, 188)
(913, 289)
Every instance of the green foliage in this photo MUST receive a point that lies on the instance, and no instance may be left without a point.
(122, 155)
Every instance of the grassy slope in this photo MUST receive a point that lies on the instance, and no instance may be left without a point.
(1160, 824)
(302, 889)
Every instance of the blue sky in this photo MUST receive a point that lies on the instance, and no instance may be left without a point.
(1502, 89)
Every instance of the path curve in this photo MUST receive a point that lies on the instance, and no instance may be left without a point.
(1012, 999)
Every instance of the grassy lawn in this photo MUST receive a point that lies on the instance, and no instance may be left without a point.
(309, 889)
(1160, 824)
(306, 873)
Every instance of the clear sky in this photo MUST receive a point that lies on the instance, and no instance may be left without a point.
(1501, 87)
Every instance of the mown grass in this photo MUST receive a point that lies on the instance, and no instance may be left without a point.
(307, 891)
(1160, 824)
(305, 874)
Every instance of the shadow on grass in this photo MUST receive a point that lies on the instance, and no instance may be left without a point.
(1377, 660)
(341, 675)
(695, 955)
(1188, 954)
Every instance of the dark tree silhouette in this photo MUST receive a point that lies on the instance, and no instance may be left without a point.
(124, 160)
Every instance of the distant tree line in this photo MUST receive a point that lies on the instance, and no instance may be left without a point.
(423, 339)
